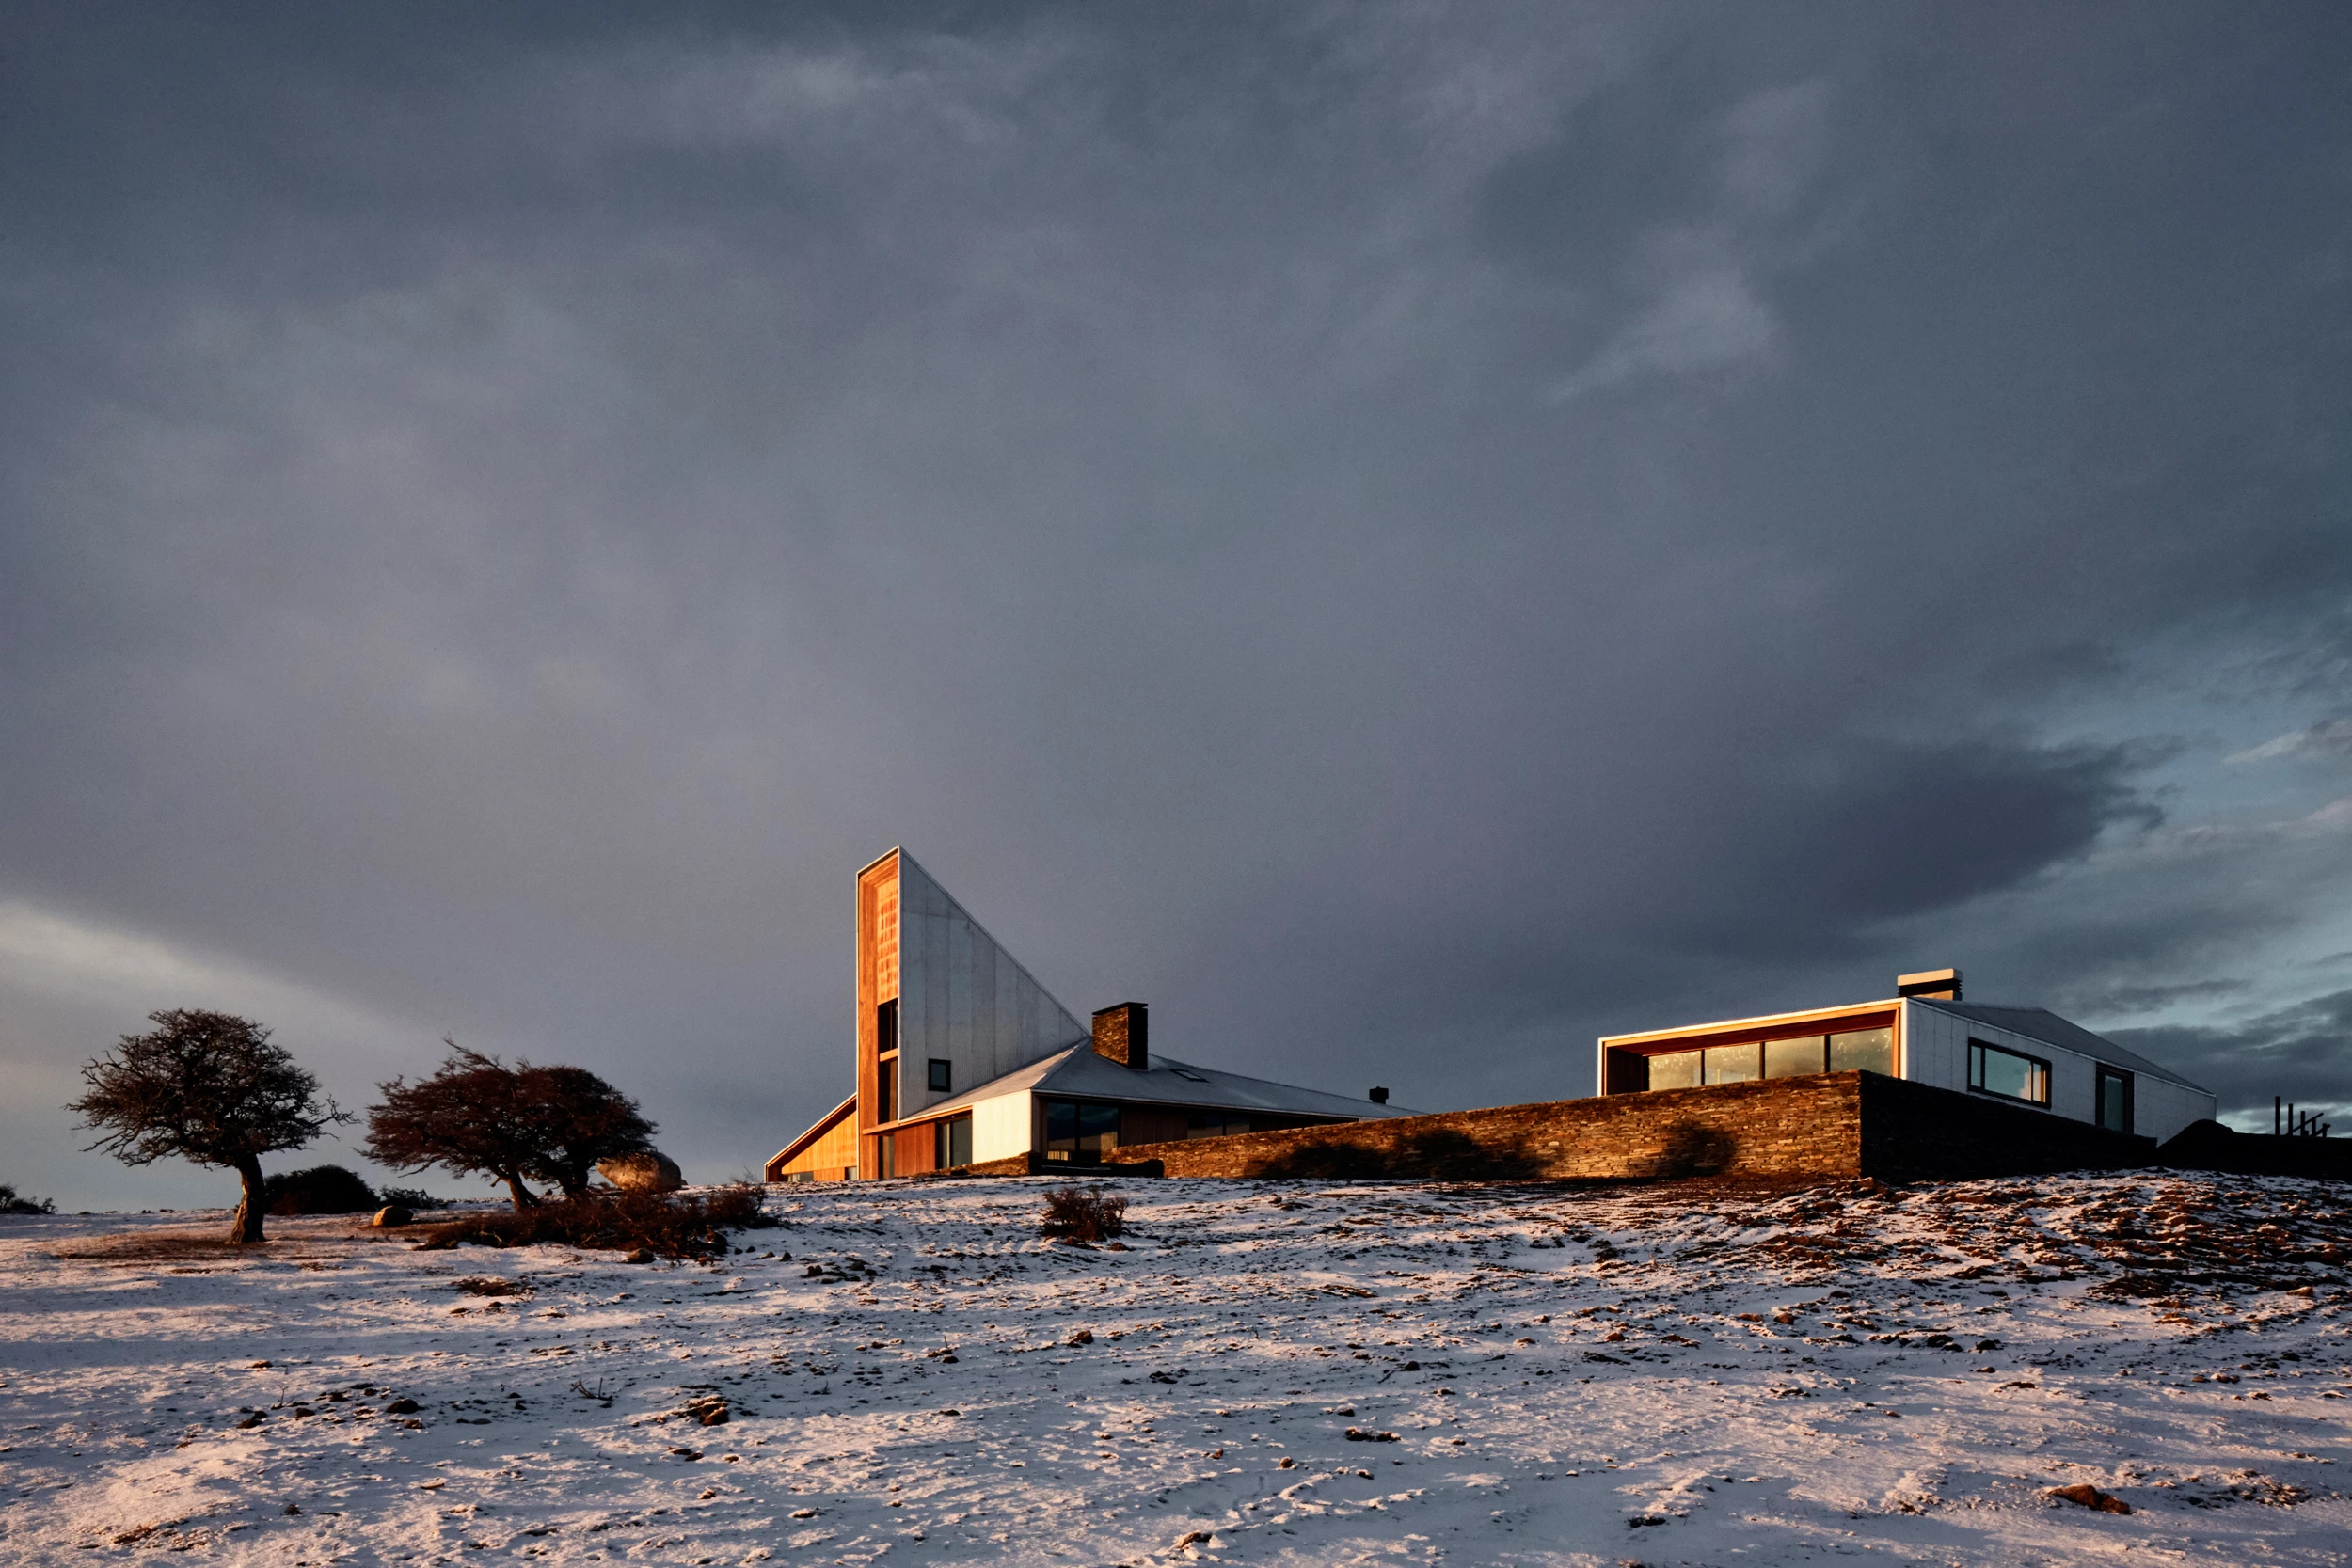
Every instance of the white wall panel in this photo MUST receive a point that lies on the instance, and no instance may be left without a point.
(1000, 1127)
(964, 999)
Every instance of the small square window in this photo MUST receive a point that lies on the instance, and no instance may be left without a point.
(943, 1076)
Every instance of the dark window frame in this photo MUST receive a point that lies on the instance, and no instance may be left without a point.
(940, 1077)
(1081, 1112)
(945, 1136)
(1976, 1073)
(2101, 1078)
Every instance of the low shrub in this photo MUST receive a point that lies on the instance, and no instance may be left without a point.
(669, 1225)
(1086, 1214)
(320, 1190)
(11, 1204)
(413, 1198)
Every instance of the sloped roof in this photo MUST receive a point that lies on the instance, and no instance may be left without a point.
(1078, 1071)
(823, 1125)
(2043, 1024)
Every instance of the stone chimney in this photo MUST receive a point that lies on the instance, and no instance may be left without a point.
(1124, 1035)
(1934, 985)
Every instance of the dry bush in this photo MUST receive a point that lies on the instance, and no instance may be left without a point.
(320, 1190)
(488, 1285)
(667, 1225)
(1082, 1215)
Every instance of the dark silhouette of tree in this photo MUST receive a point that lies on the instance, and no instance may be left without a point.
(580, 1120)
(470, 1117)
(208, 1087)
(476, 1115)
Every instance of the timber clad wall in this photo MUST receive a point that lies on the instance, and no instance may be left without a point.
(1827, 1126)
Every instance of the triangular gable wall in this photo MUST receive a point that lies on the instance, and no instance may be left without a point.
(962, 999)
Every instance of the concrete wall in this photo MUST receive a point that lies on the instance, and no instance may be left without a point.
(1822, 1126)
(964, 999)
(2163, 1111)
(1935, 1052)
(1001, 1127)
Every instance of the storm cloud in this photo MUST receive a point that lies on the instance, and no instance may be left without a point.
(1406, 537)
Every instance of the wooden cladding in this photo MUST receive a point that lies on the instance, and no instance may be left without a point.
(877, 984)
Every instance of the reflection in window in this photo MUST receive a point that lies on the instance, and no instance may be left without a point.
(1733, 1064)
(951, 1142)
(2115, 1100)
(1863, 1051)
(1676, 1070)
(1793, 1058)
(2010, 1074)
(1216, 1124)
(1079, 1131)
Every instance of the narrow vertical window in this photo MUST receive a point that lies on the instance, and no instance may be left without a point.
(2115, 1100)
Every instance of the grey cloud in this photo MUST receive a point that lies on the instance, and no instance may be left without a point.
(502, 514)
(2302, 1053)
(2329, 737)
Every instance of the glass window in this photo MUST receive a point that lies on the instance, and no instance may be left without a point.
(951, 1142)
(1080, 1130)
(943, 1076)
(2010, 1074)
(1734, 1064)
(1791, 1058)
(2115, 1100)
(1676, 1070)
(1216, 1124)
(1863, 1051)
(886, 1027)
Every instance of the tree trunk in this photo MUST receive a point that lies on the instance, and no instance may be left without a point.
(246, 1226)
(524, 1197)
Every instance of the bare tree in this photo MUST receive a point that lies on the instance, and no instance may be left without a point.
(470, 1117)
(208, 1088)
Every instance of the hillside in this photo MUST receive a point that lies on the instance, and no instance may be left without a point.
(1532, 1376)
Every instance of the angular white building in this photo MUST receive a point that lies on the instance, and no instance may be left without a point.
(963, 1058)
(2025, 1057)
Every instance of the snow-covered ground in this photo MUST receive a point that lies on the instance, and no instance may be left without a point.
(1670, 1375)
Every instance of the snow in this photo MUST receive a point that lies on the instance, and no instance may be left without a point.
(1571, 1376)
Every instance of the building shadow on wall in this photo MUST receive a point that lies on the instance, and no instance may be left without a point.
(1439, 1154)
(1691, 1149)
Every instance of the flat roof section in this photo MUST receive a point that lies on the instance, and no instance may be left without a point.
(1827, 1020)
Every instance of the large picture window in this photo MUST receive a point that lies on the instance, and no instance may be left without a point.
(2010, 1074)
(1788, 1056)
(1080, 1130)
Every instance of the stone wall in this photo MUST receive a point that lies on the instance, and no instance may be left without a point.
(1786, 1126)
(1918, 1132)
(1823, 1126)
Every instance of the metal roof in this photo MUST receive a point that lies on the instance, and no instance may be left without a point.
(1079, 1073)
(2047, 1026)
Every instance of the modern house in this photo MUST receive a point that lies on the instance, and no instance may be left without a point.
(2025, 1056)
(963, 1060)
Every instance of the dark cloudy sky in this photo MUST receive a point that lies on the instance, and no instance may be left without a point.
(1406, 536)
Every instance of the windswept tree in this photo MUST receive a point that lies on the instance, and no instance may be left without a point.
(477, 1116)
(579, 1121)
(207, 1087)
(468, 1118)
